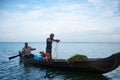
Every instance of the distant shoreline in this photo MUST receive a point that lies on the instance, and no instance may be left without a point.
(62, 42)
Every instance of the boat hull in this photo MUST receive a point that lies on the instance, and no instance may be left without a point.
(97, 66)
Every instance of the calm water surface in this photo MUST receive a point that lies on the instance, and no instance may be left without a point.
(16, 70)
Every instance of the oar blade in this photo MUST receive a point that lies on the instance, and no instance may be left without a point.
(13, 57)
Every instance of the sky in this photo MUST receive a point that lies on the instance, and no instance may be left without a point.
(69, 20)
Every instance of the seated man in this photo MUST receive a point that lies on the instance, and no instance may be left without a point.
(27, 50)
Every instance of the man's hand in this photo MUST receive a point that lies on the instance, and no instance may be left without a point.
(57, 40)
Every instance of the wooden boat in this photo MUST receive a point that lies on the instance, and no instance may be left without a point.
(96, 65)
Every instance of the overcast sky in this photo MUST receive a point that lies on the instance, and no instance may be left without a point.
(69, 20)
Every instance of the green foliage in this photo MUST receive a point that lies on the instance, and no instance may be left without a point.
(77, 58)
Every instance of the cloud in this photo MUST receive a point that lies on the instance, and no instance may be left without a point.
(117, 12)
(96, 2)
(80, 20)
(22, 6)
(111, 7)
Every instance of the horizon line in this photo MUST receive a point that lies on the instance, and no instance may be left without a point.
(62, 42)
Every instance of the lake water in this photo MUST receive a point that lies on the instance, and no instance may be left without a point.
(15, 70)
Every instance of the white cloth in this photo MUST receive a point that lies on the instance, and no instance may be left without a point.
(27, 50)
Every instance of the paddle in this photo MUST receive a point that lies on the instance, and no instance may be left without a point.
(13, 57)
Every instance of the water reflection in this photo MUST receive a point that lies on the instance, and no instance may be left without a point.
(53, 74)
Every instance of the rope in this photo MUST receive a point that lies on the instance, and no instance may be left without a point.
(56, 50)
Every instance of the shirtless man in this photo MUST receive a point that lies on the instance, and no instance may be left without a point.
(49, 44)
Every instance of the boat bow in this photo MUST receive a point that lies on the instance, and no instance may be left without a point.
(107, 64)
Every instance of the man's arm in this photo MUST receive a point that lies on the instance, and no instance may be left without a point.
(55, 40)
(32, 48)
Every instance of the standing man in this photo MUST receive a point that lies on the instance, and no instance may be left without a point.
(49, 45)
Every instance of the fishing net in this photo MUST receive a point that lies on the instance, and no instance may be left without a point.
(77, 58)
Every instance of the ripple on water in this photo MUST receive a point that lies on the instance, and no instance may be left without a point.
(114, 75)
(14, 70)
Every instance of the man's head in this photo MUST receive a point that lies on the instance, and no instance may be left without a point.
(51, 35)
(26, 44)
